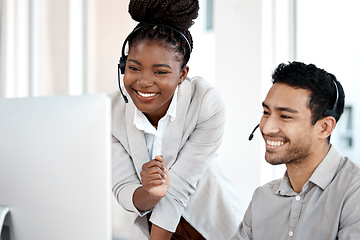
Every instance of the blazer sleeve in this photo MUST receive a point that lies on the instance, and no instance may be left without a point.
(203, 132)
(125, 179)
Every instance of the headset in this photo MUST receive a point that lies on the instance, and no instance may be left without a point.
(123, 58)
(327, 112)
(332, 112)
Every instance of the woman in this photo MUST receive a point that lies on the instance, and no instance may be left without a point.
(165, 167)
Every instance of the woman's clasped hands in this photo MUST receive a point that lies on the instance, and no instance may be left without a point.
(155, 177)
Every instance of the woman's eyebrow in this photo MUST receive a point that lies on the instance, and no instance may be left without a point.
(134, 61)
(162, 65)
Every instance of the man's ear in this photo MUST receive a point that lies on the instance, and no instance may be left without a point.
(184, 73)
(326, 126)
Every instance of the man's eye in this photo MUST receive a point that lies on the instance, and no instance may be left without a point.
(266, 113)
(285, 117)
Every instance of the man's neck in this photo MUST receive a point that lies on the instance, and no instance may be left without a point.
(300, 172)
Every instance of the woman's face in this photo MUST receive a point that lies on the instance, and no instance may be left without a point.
(152, 74)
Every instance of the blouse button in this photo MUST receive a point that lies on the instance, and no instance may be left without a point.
(291, 233)
(297, 198)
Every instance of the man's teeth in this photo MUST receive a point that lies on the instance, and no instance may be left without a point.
(274, 143)
(146, 94)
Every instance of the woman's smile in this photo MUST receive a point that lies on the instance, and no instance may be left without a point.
(146, 94)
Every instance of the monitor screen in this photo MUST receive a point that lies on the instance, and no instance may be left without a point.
(55, 173)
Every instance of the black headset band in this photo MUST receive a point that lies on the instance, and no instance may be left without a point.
(332, 112)
(153, 25)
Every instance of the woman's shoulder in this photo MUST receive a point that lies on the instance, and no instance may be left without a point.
(114, 96)
(117, 100)
(199, 82)
(205, 96)
(201, 87)
(118, 106)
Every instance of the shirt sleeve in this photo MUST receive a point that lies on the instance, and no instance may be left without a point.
(192, 161)
(244, 231)
(349, 227)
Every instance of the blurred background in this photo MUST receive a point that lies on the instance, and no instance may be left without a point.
(58, 47)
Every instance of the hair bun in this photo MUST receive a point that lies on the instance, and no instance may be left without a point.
(178, 14)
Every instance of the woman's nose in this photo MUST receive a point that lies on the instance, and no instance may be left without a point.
(145, 80)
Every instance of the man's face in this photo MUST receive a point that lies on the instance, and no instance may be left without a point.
(286, 125)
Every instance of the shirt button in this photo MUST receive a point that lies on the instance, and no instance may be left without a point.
(291, 233)
(297, 198)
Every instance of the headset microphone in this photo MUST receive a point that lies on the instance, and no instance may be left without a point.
(252, 133)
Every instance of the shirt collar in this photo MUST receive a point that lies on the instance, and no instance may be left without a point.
(322, 176)
(284, 186)
(173, 105)
(142, 123)
(325, 172)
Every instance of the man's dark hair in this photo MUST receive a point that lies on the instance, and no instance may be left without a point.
(318, 82)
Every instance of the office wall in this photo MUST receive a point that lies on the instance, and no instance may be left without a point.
(238, 76)
(108, 24)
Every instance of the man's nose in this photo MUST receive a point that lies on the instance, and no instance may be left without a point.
(269, 125)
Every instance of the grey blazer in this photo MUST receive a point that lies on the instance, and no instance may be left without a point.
(199, 190)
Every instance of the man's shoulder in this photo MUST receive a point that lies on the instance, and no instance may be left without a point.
(349, 173)
(270, 187)
(351, 167)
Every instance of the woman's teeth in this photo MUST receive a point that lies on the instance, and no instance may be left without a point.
(146, 94)
(274, 143)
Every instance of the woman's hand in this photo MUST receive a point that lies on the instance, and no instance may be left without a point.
(155, 177)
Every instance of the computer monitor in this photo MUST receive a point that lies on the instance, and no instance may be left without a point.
(55, 173)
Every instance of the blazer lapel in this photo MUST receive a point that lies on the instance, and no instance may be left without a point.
(174, 129)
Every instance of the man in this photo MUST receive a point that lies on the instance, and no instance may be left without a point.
(319, 195)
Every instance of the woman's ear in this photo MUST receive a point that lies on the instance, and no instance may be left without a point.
(326, 126)
(183, 74)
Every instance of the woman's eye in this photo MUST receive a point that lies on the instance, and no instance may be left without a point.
(160, 72)
(133, 68)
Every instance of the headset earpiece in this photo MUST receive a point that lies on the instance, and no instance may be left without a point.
(121, 68)
(122, 64)
(332, 112)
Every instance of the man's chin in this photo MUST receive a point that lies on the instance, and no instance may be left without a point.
(273, 161)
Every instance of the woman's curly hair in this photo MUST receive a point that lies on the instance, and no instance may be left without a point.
(176, 14)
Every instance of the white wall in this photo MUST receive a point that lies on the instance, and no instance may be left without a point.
(238, 77)
(108, 25)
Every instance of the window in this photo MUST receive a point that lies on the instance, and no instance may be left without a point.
(327, 35)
